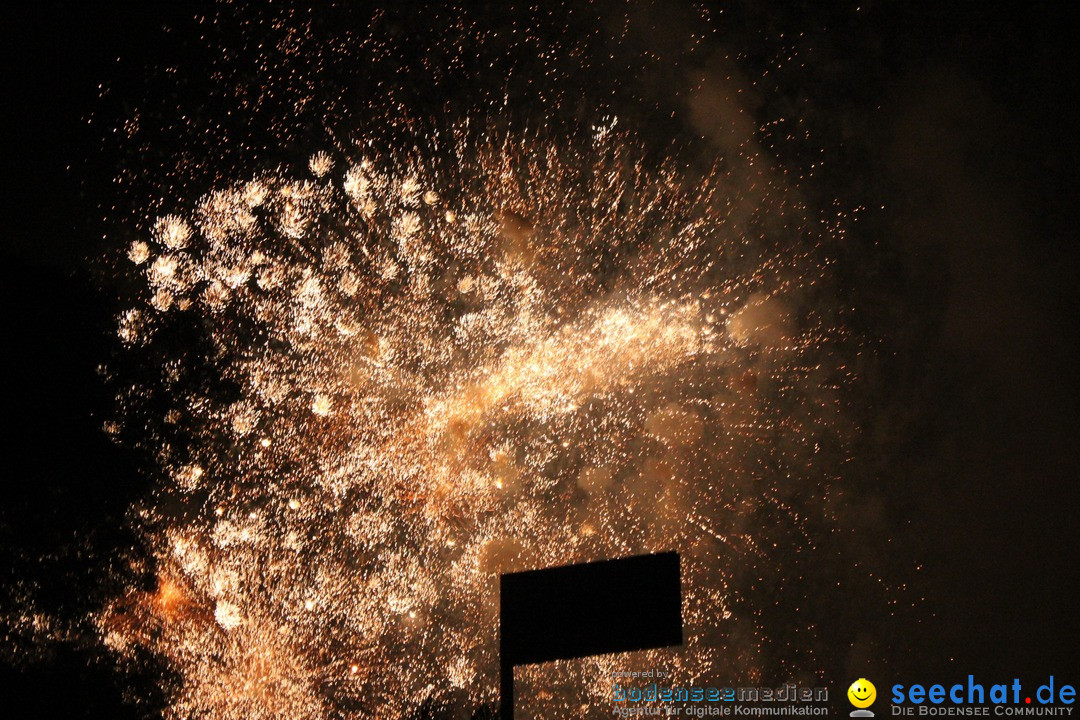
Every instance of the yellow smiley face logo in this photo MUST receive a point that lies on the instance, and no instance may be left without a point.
(862, 693)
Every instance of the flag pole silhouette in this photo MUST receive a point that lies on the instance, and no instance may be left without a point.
(587, 609)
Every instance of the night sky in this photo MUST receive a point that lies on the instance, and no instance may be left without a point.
(953, 126)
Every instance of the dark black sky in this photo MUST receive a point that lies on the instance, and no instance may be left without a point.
(961, 121)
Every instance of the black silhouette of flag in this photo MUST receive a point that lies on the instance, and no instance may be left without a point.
(588, 609)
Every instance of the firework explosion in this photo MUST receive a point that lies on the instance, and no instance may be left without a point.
(435, 352)
(550, 354)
